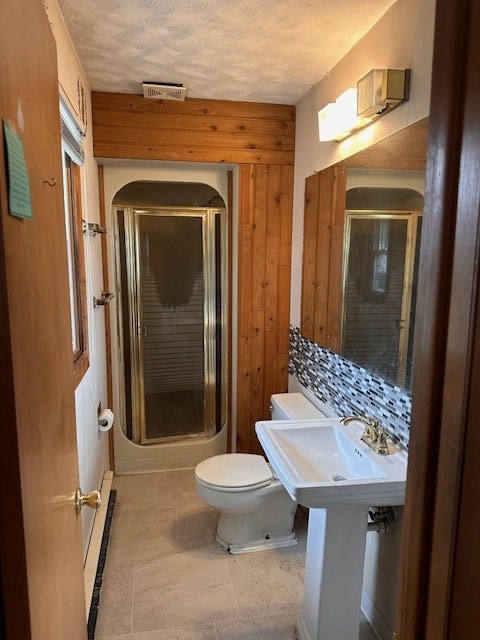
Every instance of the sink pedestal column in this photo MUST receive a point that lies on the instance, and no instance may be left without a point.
(333, 574)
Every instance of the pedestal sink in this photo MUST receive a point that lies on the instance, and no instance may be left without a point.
(325, 466)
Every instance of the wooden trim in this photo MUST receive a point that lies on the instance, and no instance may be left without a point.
(323, 256)
(230, 307)
(81, 360)
(443, 330)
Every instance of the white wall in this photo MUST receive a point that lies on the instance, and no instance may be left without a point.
(403, 38)
(92, 390)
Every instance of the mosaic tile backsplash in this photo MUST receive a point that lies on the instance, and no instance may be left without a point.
(348, 388)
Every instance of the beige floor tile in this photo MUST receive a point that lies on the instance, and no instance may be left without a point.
(200, 632)
(182, 590)
(136, 492)
(280, 627)
(177, 489)
(143, 535)
(115, 611)
(269, 582)
(196, 528)
(167, 579)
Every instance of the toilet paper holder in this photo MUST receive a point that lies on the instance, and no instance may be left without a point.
(105, 420)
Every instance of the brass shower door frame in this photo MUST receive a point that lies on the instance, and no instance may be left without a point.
(412, 228)
(132, 216)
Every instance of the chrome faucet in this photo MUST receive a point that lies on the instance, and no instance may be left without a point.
(373, 434)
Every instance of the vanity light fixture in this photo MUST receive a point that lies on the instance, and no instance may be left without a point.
(377, 93)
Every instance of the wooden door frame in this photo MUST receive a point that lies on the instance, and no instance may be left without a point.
(441, 547)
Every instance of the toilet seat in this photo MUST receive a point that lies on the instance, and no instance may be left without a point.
(233, 472)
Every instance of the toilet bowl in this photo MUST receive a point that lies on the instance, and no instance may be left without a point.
(256, 512)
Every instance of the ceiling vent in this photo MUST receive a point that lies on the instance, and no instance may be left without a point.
(381, 90)
(164, 91)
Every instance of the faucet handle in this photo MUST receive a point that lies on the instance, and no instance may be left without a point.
(381, 443)
(372, 422)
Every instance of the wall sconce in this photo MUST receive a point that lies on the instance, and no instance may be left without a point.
(377, 93)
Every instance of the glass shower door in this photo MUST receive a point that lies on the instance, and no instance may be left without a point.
(172, 312)
(377, 296)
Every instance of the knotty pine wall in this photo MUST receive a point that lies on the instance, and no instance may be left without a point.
(260, 138)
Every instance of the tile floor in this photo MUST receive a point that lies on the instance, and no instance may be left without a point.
(166, 578)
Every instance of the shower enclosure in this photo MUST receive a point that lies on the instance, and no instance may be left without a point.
(380, 269)
(170, 267)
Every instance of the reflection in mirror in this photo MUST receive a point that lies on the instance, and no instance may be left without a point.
(362, 234)
(380, 261)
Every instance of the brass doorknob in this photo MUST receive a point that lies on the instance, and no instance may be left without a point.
(91, 499)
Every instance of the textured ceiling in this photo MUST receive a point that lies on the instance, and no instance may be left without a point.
(253, 50)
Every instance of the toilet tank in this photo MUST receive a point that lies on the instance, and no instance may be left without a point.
(293, 406)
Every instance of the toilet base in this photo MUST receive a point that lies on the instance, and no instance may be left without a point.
(269, 527)
(275, 542)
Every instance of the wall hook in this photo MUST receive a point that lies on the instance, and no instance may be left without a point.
(93, 227)
(51, 183)
(103, 300)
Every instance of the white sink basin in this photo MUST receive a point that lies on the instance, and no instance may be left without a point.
(323, 463)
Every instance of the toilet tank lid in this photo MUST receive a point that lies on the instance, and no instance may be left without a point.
(296, 406)
(234, 470)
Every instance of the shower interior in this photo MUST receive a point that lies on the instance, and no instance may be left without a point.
(171, 311)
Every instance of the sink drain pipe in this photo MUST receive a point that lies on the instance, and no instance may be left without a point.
(381, 519)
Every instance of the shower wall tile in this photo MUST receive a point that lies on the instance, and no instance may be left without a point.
(348, 388)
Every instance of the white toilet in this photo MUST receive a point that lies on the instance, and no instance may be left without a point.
(256, 512)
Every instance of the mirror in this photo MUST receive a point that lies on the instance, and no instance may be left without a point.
(362, 230)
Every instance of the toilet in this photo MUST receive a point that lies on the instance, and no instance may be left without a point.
(256, 512)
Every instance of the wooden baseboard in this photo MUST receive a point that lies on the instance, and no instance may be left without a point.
(93, 553)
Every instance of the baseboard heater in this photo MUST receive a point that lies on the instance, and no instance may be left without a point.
(95, 601)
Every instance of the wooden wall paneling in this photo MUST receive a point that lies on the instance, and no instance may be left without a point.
(273, 201)
(264, 294)
(259, 259)
(191, 154)
(335, 285)
(284, 276)
(192, 138)
(245, 293)
(309, 263)
(405, 149)
(257, 343)
(308, 286)
(283, 308)
(324, 228)
(286, 221)
(271, 275)
(130, 126)
(195, 122)
(134, 103)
